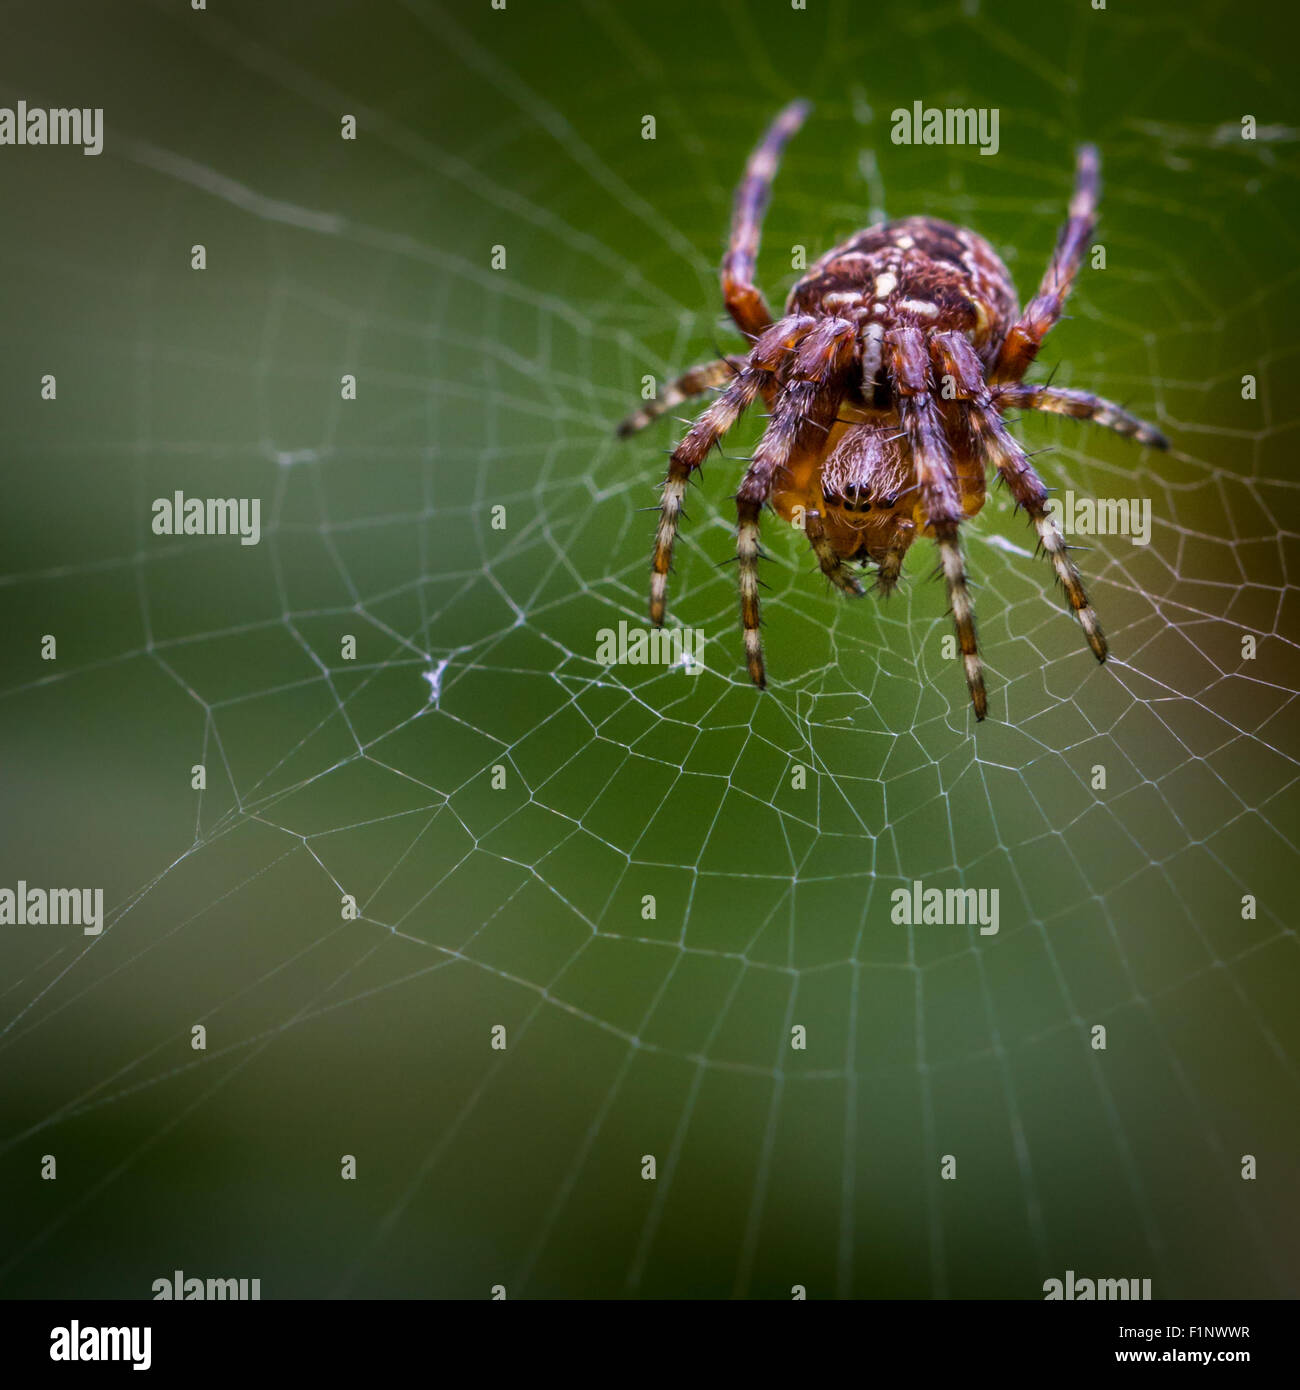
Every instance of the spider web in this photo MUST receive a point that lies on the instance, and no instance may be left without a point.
(522, 905)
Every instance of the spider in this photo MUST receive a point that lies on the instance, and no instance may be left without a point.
(885, 381)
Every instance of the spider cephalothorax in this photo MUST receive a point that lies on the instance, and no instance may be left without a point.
(885, 381)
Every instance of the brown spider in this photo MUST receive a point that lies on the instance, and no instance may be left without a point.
(885, 381)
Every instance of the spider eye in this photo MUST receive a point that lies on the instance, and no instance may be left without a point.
(854, 498)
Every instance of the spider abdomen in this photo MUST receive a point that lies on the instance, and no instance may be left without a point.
(918, 271)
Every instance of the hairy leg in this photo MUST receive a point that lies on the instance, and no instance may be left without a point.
(695, 381)
(806, 403)
(686, 458)
(890, 568)
(1079, 405)
(939, 494)
(832, 566)
(1028, 491)
(1026, 335)
(744, 299)
(994, 442)
(754, 378)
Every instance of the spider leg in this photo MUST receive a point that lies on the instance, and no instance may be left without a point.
(1026, 335)
(995, 443)
(754, 378)
(744, 299)
(939, 494)
(695, 381)
(832, 566)
(748, 509)
(707, 430)
(1079, 405)
(807, 402)
(889, 570)
(1028, 491)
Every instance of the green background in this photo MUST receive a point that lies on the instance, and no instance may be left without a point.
(522, 906)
